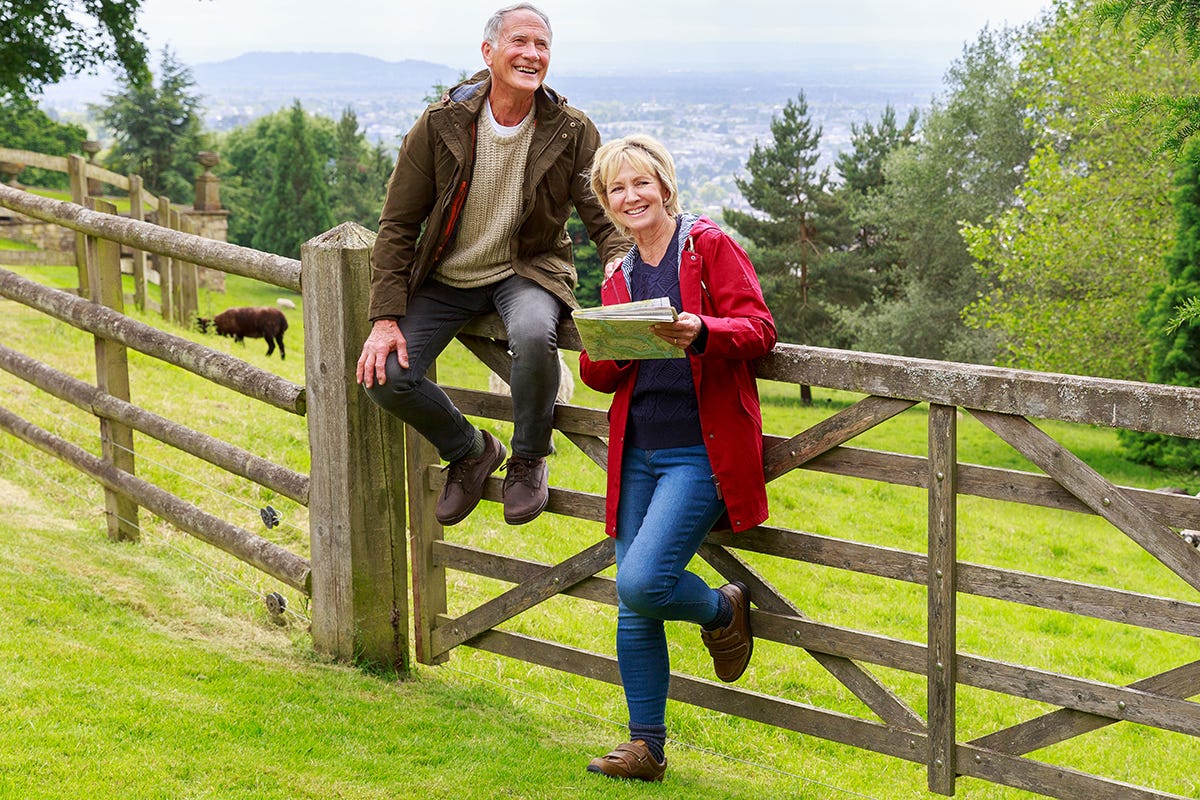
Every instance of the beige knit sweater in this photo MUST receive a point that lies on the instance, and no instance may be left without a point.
(481, 254)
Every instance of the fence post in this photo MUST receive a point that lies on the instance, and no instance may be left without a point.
(138, 212)
(189, 292)
(942, 665)
(77, 172)
(356, 482)
(166, 265)
(112, 376)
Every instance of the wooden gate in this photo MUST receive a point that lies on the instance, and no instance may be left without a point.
(1003, 400)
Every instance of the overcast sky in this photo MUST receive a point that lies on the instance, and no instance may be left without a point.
(588, 34)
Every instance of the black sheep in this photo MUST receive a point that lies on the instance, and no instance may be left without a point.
(262, 322)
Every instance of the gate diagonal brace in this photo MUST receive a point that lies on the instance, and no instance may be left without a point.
(1067, 723)
(524, 596)
(1097, 492)
(865, 686)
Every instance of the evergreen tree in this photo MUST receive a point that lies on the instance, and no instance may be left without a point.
(297, 207)
(249, 159)
(861, 167)
(795, 226)
(1175, 350)
(1175, 21)
(157, 130)
(587, 263)
(865, 266)
(360, 174)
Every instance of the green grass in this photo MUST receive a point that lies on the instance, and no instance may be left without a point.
(154, 670)
(13, 244)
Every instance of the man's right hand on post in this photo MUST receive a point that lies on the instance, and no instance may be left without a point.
(385, 337)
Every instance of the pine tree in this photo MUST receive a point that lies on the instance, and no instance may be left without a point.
(360, 174)
(795, 226)
(866, 265)
(1175, 354)
(297, 207)
(157, 130)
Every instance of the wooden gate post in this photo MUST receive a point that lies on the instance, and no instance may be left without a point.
(356, 484)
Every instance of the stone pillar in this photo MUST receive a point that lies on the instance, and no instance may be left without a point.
(208, 196)
(11, 170)
(94, 187)
(206, 218)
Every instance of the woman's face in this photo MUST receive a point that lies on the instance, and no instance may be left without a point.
(638, 200)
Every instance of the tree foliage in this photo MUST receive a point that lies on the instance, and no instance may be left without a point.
(355, 172)
(968, 156)
(297, 206)
(1070, 262)
(27, 127)
(157, 129)
(1177, 23)
(44, 41)
(360, 175)
(1175, 355)
(866, 265)
(796, 224)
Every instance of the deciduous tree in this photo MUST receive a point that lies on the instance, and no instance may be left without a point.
(1069, 264)
(27, 127)
(44, 41)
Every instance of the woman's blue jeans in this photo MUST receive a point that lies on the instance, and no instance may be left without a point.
(667, 506)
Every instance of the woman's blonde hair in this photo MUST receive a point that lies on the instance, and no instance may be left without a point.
(643, 153)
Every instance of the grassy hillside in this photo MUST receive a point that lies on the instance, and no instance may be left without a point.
(153, 670)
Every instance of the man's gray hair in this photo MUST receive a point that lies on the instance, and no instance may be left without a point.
(491, 31)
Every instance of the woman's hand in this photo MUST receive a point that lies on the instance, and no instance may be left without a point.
(682, 332)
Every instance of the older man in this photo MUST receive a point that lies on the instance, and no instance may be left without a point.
(475, 220)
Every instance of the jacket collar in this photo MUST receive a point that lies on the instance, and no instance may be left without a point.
(472, 92)
(686, 223)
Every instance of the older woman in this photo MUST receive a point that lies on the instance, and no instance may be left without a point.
(685, 447)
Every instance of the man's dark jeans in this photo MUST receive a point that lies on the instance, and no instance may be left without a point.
(435, 315)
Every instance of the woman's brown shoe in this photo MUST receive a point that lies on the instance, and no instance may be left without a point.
(630, 761)
(732, 646)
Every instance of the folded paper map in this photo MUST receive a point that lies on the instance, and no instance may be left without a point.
(622, 331)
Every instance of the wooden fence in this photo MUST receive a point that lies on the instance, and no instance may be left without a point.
(1004, 401)
(356, 574)
(178, 280)
(356, 495)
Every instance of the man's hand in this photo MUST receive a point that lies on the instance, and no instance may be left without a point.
(385, 337)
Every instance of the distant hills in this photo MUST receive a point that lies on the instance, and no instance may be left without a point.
(319, 73)
(267, 81)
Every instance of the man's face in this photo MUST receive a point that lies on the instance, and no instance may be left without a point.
(521, 56)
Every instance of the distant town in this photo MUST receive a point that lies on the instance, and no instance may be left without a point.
(709, 121)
